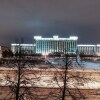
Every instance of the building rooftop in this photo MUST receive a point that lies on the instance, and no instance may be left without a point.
(55, 37)
(13, 44)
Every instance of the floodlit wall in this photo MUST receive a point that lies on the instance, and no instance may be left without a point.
(55, 44)
(25, 48)
(89, 49)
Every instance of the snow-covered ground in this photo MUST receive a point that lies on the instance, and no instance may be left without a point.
(48, 81)
(91, 65)
(74, 64)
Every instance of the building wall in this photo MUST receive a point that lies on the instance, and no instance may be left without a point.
(25, 48)
(55, 44)
(89, 49)
(98, 49)
(48, 46)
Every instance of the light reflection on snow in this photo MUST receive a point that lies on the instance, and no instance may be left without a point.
(74, 64)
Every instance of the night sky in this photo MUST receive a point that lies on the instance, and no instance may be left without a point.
(26, 18)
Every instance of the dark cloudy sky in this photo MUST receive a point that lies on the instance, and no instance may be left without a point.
(26, 18)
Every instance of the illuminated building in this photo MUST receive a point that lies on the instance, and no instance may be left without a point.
(55, 44)
(98, 49)
(87, 49)
(25, 48)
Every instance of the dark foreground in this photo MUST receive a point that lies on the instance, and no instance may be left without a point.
(51, 94)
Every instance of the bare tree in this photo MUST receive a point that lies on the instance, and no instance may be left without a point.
(18, 83)
(47, 83)
(69, 81)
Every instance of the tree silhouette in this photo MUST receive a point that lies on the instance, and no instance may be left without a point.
(7, 53)
(48, 82)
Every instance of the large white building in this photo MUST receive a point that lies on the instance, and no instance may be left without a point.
(56, 44)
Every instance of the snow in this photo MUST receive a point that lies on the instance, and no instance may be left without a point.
(79, 64)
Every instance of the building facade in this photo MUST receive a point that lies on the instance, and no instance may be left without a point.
(25, 48)
(87, 49)
(98, 49)
(55, 44)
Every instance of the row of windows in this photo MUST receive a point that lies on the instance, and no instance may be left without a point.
(55, 46)
(87, 50)
(28, 49)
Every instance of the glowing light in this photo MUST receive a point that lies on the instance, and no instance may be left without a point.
(73, 37)
(98, 45)
(85, 45)
(45, 54)
(23, 44)
(56, 37)
(37, 37)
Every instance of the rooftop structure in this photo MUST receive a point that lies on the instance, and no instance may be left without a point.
(56, 37)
